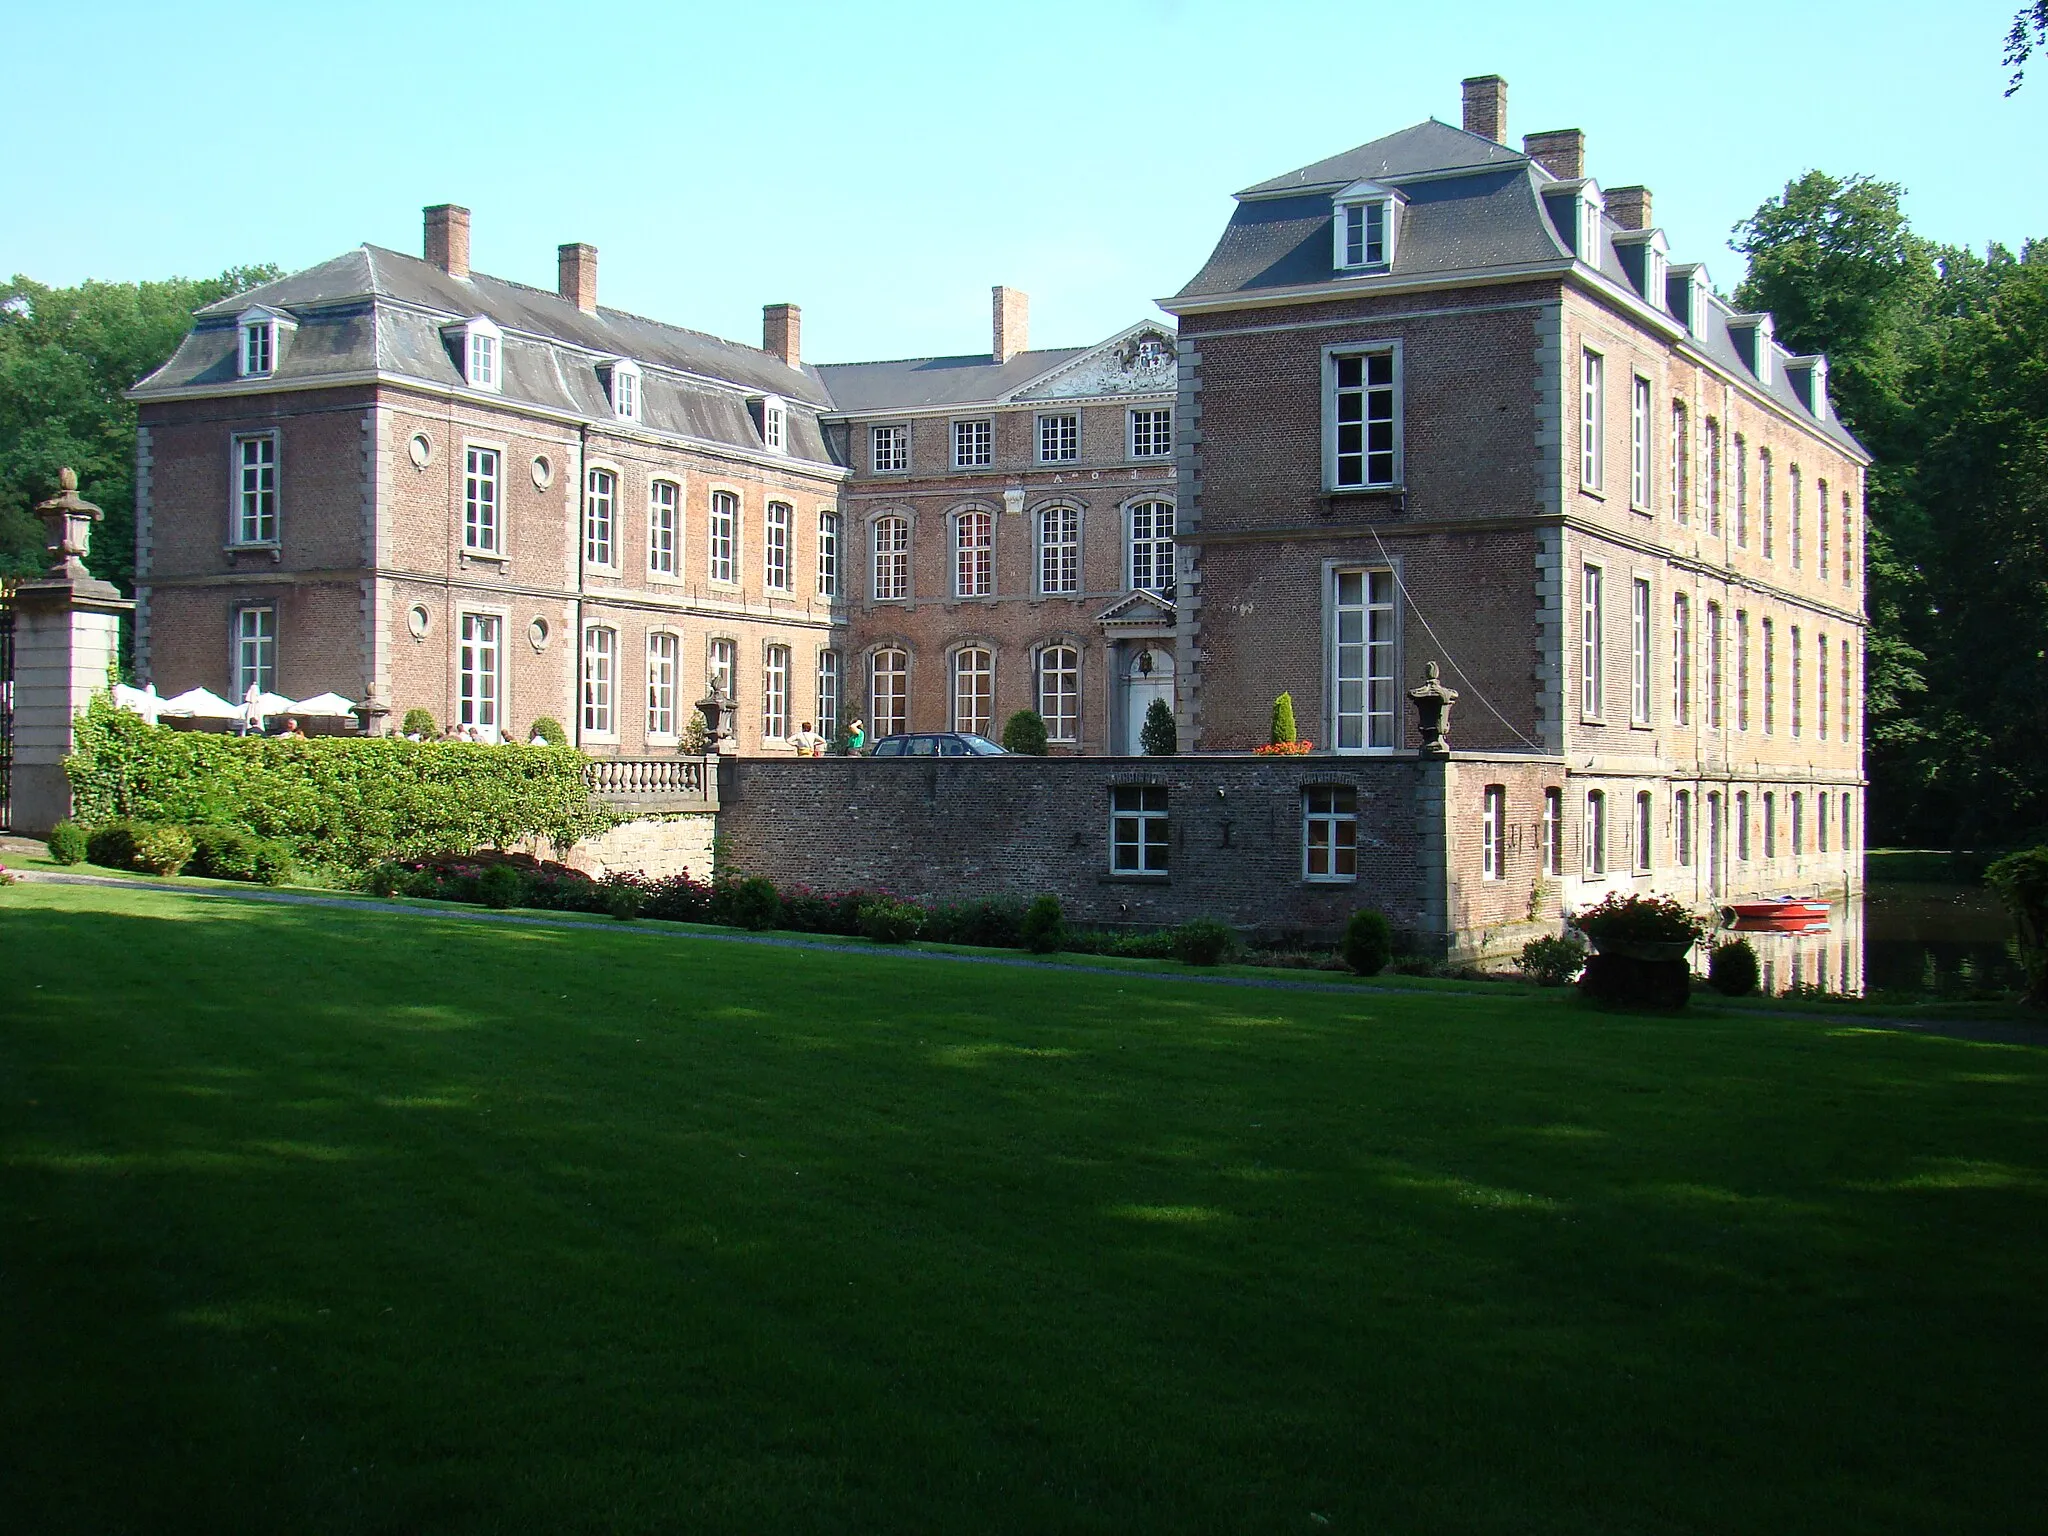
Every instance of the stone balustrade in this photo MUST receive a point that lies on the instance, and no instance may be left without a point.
(654, 783)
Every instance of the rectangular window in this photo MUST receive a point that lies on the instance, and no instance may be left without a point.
(889, 692)
(1742, 669)
(1151, 434)
(1681, 463)
(1593, 422)
(1820, 681)
(723, 530)
(256, 489)
(1059, 550)
(1553, 832)
(1365, 234)
(775, 692)
(480, 528)
(1820, 527)
(1798, 824)
(1848, 545)
(1770, 676)
(1592, 644)
(664, 526)
(663, 658)
(775, 548)
(1741, 492)
(600, 504)
(973, 444)
(1152, 547)
(1137, 830)
(1820, 822)
(974, 689)
(892, 559)
(1329, 833)
(1845, 691)
(1713, 478)
(255, 651)
(477, 673)
(1493, 831)
(1742, 825)
(1798, 682)
(1797, 516)
(1639, 443)
(722, 668)
(889, 449)
(1645, 832)
(1713, 666)
(1681, 827)
(1770, 825)
(1639, 652)
(257, 342)
(600, 657)
(1059, 439)
(828, 697)
(1848, 825)
(828, 554)
(1363, 420)
(1059, 692)
(774, 426)
(626, 393)
(1595, 835)
(974, 554)
(1363, 633)
(1768, 492)
(483, 360)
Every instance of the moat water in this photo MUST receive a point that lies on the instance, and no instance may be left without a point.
(1897, 940)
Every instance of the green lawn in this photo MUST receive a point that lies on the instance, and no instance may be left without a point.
(325, 1221)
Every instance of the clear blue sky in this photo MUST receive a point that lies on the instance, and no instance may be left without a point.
(883, 164)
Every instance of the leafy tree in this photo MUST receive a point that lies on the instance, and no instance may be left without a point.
(67, 355)
(1025, 732)
(2029, 31)
(1159, 736)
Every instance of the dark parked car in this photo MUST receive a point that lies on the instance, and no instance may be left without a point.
(938, 744)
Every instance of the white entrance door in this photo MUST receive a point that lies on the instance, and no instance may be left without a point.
(1148, 677)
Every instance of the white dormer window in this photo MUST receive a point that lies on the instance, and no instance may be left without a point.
(1702, 293)
(479, 348)
(1364, 228)
(1592, 209)
(626, 391)
(1656, 269)
(262, 338)
(774, 425)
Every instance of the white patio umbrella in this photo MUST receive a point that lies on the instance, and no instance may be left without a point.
(323, 705)
(199, 704)
(142, 701)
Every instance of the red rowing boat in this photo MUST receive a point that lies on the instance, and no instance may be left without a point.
(1788, 909)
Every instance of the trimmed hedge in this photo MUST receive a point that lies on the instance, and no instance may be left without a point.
(228, 853)
(67, 843)
(353, 801)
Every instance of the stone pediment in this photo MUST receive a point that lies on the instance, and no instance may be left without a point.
(1138, 611)
(1142, 360)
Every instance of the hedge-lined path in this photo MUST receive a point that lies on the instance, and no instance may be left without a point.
(1983, 1030)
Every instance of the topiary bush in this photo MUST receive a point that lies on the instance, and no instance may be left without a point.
(501, 887)
(1159, 737)
(67, 843)
(1732, 968)
(1203, 941)
(229, 853)
(889, 921)
(752, 903)
(1368, 945)
(1283, 719)
(622, 896)
(420, 723)
(1044, 928)
(1554, 960)
(1025, 732)
(549, 730)
(157, 848)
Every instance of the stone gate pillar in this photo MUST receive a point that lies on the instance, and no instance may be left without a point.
(67, 637)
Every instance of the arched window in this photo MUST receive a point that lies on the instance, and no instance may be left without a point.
(1059, 692)
(1681, 827)
(892, 559)
(1059, 550)
(1152, 547)
(974, 688)
(974, 554)
(889, 691)
(1646, 832)
(1596, 832)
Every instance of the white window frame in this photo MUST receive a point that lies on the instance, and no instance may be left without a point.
(254, 508)
(483, 498)
(722, 667)
(1592, 641)
(888, 450)
(774, 424)
(722, 537)
(828, 553)
(256, 349)
(664, 678)
(480, 670)
(1329, 834)
(1645, 833)
(601, 517)
(778, 541)
(775, 665)
(1712, 486)
(1593, 835)
(254, 648)
(889, 690)
(1493, 831)
(628, 391)
(974, 443)
(1058, 435)
(1366, 653)
(1794, 487)
(665, 529)
(1059, 692)
(483, 355)
(1640, 693)
(1766, 500)
(1553, 832)
(1592, 209)
(598, 693)
(1681, 462)
(1682, 828)
(1148, 432)
(827, 695)
(1592, 421)
(1356, 245)
(889, 558)
(1770, 670)
(973, 678)
(1742, 669)
(1714, 639)
(1058, 527)
(1740, 450)
(974, 563)
(1367, 389)
(1640, 457)
(1140, 829)
(1149, 530)
(1681, 658)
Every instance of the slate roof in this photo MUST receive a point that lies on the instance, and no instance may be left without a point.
(912, 382)
(1428, 146)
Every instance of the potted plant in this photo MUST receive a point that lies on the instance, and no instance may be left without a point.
(1640, 927)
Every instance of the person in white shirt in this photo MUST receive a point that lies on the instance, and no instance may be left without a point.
(807, 742)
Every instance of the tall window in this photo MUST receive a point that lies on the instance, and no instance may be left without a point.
(1770, 825)
(1798, 824)
(1797, 516)
(1059, 550)
(480, 525)
(1137, 829)
(723, 529)
(1493, 831)
(828, 695)
(663, 657)
(892, 559)
(477, 674)
(1364, 663)
(1742, 825)
(889, 691)
(256, 489)
(1553, 831)
(1329, 833)
(1592, 421)
(974, 689)
(1639, 443)
(1820, 822)
(1741, 492)
(1681, 827)
(600, 505)
(1363, 423)
(600, 661)
(1742, 669)
(1592, 643)
(1845, 689)
(626, 392)
(1767, 491)
(1059, 692)
(1770, 676)
(775, 692)
(1848, 825)
(1820, 527)
(664, 526)
(1681, 463)
(888, 449)
(1848, 544)
(1639, 651)
(828, 555)
(1798, 681)
(255, 650)
(483, 358)
(258, 348)
(973, 444)
(1713, 666)
(974, 554)
(721, 658)
(1820, 682)
(1595, 851)
(1152, 547)
(774, 425)
(1713, 478)
(1364, 234)
(1645, 832)
(1059, 439)
(775, 548)
(1151, 434)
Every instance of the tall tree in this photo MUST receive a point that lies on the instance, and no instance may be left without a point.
(2029, 31)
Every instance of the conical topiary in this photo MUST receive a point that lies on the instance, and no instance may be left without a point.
(1283, 719)
(1160, 737)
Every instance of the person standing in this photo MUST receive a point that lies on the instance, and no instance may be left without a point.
(808, 743)
(856, 736)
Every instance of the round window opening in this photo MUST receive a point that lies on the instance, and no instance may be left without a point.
(420, 450)
(543, 471)
(416, 620)
(537, 634)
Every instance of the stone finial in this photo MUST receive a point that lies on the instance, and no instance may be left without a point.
(1433, 703)
(69, 519)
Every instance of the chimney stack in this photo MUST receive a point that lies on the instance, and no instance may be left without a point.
(576, 276)
(448, 238)
(782, 332)
(1561, 151)
(1012, 322)
(1629, 206)
(1486, 107)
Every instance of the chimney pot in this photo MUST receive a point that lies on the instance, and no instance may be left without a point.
(1012, 322)
(1560, 151)
(782, 331)
(1629, 206)
(1486, 107)
(576, 274)
(447, 244)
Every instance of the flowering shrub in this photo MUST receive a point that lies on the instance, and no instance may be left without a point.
(1620, 919)
(1285, 749)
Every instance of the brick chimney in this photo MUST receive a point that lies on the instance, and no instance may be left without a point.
(448, 238)
(1629, 206)
(1012, 309)
(576, 276)
(1486, 107)
(1560, 151)
(782, 331)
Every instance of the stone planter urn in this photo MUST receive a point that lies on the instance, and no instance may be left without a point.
(1669, 949)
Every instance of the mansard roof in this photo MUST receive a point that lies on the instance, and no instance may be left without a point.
(1110, 367)
(1426, 147)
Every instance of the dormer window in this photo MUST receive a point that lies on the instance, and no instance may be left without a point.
(1752, 335)
(263, 333)
(1646, 258)
(1688, 292)
(774, 424)
(1592, 209)
(625, 382)
(1364, 228)
(479, 350)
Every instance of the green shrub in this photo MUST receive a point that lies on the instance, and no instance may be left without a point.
(420, 723)
(2020, 881)
(157, 848)
(111, 845)
(752, 903)
(622, 896)
(1621, 920)
(1159, 737)
(889, 921)
(1368, 944)
(549, 730)
(501, 886)
(1025, 732)
(1732, 969)
(1202, 941)
(67, 843)
(229, 853)
(1283, 719)
(1045, 927)
(1553, 960)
